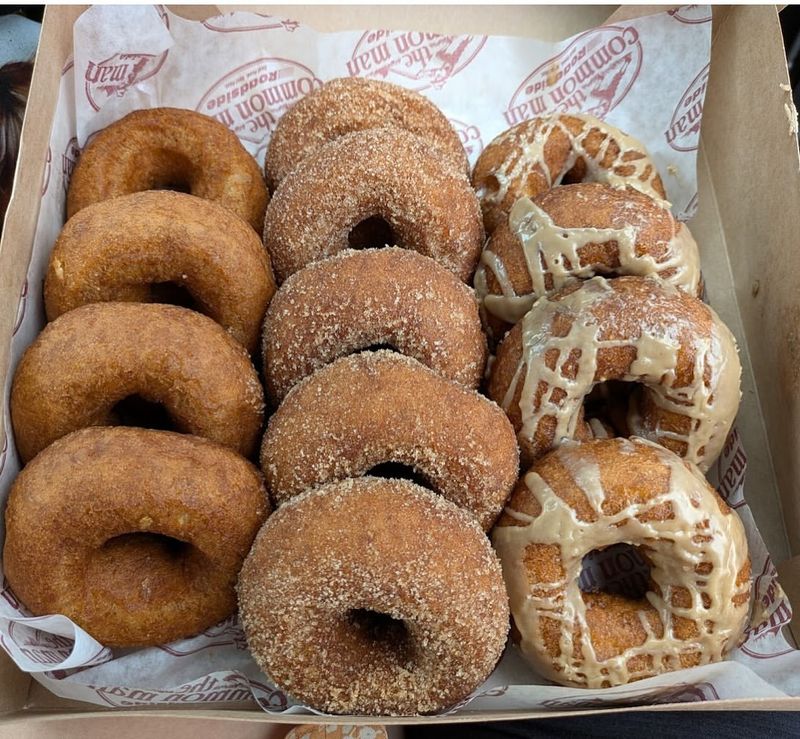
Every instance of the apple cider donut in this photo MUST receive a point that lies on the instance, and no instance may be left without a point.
(124, 249)
(359, 299)
(374, 596)
(90, 359)
(136, 535)
(172, 149)
(586, 497)
(575, 232)
(536, 155)
(386, 174)
(349, 104)
(633, 329)
(379, 407)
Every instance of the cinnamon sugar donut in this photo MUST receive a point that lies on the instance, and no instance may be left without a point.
(585, 497)
(373, 596)
(123, 249)
(136, 535)
(536, 155)
(173, 149)
(349, 104)
(370, 409)
(633, 329)
(359, 299)
(575, 232)
(90, 359)
(386, 174)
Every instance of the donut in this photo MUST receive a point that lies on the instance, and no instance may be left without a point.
(172, 149)
(90, 359)
(630, 329)
(359, 299)
(135, 553)
(575, 232)
(536, 155)
(373, 596)
(124, 249)
(367, 410)
(349, 104)
(385, 174)
(586, 497)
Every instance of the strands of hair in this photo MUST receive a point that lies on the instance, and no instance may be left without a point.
(15, 79)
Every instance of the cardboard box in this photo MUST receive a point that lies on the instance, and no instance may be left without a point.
(748, 221)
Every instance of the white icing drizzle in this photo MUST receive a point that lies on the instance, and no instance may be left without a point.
(527, 155)
(553, 249)
(711, 408)
(698, 533)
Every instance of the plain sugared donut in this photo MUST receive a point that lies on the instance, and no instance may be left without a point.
(536, 155)
(349, 104)
(386, 174)
(378, 407)
(172, 149)
(575, 232)
(361, 299)
(136, 535)
(124, 249)
(89, 359)
(632, 329)
(585, 497)
(373, 596)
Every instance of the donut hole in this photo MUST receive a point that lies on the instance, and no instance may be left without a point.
(372, 232)
(400, 471)
(607, 404)
(136, 411)
(148, 544)
(377, 627)
(621, 569)
(172, 293)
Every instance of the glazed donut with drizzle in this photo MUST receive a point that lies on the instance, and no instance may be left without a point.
(575, 232)
(536, 155)
(589, 496)
(631, 329)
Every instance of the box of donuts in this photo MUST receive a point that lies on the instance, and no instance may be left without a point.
(401, 364)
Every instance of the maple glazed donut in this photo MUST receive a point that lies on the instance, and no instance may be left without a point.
(349, 104)
(631, 329)
(136, 535)
(90, 359)
(375, 408)
(536, 155)
(386, 174)
(585, 497)
(374, 596)
(359, 299)
(575, 232)
(173, 149)
(124, 249)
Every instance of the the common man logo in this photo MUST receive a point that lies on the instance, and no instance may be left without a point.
(592, 75)
(69, 158)
(683, 133)
(114, 76)
(411, 58)
(771, 612)
(250, 99)
(470, 136)
(692, 14)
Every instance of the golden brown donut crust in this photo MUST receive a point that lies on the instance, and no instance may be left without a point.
(633, 329)
(89, 359)
(358, 299)
(67, 507)
(386, 173)
(117, 249)
(606, 492)
(349, 104)
(169, 148)
(385, 546)
(536, 155)
(377, 407)
(576, 232)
